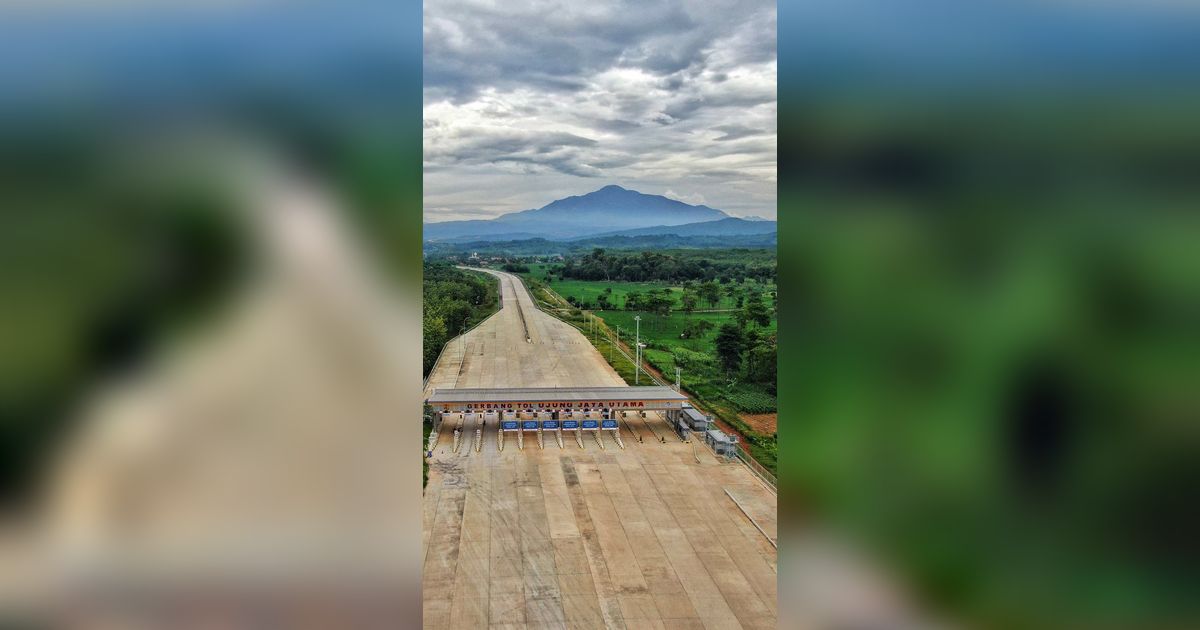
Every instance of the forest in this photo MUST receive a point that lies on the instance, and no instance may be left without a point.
(670, 267)
(454, 300)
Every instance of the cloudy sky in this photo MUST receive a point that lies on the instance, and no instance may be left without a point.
(527, 101)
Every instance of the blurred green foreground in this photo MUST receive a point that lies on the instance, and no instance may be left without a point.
(992, 341)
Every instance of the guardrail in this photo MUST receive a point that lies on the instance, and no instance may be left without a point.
(759, 470)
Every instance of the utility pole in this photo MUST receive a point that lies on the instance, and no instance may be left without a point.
(637, 368)
(677, 371)
(640, 345)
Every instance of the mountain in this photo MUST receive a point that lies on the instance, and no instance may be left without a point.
(731, 226)
(609, 209)
(544, 247)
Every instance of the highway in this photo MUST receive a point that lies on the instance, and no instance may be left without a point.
(580, 536)
(518, 346)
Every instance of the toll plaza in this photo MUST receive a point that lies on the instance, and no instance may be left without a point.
(517, 533)
(593, 410)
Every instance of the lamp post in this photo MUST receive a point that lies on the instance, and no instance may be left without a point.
(639, 362)
(637, 368)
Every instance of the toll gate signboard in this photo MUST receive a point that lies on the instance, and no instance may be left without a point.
(508, 425)
(590, 424)
(608, 424)
(549, 424)
(570, 424)
(529, 425)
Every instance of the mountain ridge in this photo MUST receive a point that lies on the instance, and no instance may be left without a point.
(731, 226)
(609, 209)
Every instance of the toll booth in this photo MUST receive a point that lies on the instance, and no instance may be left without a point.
(695, 420)
(721, 442)
(681, 427)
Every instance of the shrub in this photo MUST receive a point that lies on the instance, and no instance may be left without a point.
(692, 360)
(751, 401)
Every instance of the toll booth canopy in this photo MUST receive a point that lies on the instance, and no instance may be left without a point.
(474, 400)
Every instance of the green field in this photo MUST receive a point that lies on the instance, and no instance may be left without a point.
(663, 332)
(700, 374)
(665, 350)
(590, 291)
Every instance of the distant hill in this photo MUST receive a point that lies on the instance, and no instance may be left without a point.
(722, 227)
(606, 210)
(491, 235)
(541, 246)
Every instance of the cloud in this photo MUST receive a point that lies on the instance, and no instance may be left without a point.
(736, 132)
(529, 101)
(696, 199)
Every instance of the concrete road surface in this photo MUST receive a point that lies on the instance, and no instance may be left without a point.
(583, 536)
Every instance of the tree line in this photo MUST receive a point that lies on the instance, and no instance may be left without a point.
(693, 296)
(453, 301)
(654, 266)
(748, 352)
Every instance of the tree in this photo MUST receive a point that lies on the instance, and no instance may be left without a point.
(730, 343)
(662, 302)
(756, 312)
(433, 334)
(696, 329)
(602, 301)
(711, 292)
(456, 314)
(688, 302)
(730, 291)
(761, 363)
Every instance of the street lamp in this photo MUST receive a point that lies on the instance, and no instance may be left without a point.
(639, 362)
(637, 323)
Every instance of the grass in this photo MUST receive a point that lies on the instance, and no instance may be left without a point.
(663, 332)
(700, 376)
(589, 291)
